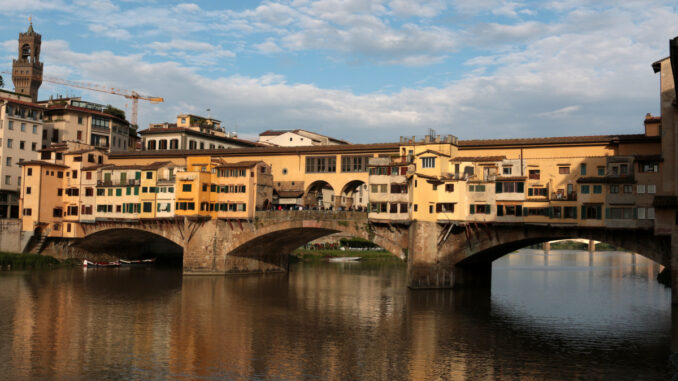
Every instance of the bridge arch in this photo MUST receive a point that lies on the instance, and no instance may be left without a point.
(354, 195)
(483, 244)
(130, 242)
(319, 194)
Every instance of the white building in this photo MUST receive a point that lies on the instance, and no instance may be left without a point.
(296, 138)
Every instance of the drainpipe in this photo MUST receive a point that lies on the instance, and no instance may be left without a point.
(522, 173)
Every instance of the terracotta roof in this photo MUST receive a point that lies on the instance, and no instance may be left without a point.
(40, 162)
(657, 65)
(289, 193)
(154, 165)
(155, 131)
(95, 167)
(265, 150)
(56, 107)
(559, 140)
(301, 132)
(433, 152)
(509, 178)
(78, 152)
(240, 164)
(435, 178)
(274, 132)
(665, 202)
(54, 147)
(21, 102)
(478, 158)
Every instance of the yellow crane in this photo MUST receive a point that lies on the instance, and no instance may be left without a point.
(129, 94)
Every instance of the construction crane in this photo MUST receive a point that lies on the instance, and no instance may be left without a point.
(129, 94)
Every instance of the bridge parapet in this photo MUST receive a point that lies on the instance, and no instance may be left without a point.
(307, 214)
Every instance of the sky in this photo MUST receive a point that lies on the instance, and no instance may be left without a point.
(361, 70)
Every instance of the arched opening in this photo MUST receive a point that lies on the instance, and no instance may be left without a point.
(132, 244)
(354, 196)
(25, 52)
(151, 145)
(319, 195)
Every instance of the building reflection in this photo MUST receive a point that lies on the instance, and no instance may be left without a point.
(336, 322)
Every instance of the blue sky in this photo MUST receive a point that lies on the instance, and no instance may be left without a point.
(363, 70)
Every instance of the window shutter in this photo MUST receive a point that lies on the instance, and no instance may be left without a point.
(599, 212)
(473, 209)
(530, 192)
(519, 210)
(500, 210)
(635, 213)
(583, 212)
(498, 187)
(489, 207)
(607, 212)
(520, 187)
(550, 212)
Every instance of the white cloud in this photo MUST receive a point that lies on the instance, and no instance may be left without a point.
(267, 47)
(187, 7)
(417, 8)
(111, 32)
(559, 113)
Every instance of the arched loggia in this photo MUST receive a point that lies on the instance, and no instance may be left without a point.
(354, 195)
(320, 195)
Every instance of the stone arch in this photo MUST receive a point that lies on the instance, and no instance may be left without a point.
(319, 194)
(26, 52)
(483, 244)
(129, 242)
(354, 194)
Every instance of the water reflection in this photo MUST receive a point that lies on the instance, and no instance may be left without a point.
(563, 315)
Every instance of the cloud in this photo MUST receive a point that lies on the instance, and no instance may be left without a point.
(559, 113)
(115, 33)
(192, 52)
(420, 8)
(267, 47)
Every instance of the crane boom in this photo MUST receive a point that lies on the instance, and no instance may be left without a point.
(129, 94)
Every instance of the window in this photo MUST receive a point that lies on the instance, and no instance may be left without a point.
(564, 170)
(28, 190)
(582, 169)
(11, 125)
(650, 213)
(640, 188)
(148, 207)
(507, 170)
(479, 209)
(597, 189)
(89, 192)
(8, 161)
(624, 169)
(445, 207)
(60, 192)
(354, 163)
(79, 120)
(23, 127)
(324, 164)
(22, 144)
(509, 210)
(99, 122)
(534, 174)
(536, 192)
(449, 187)
(557, 212)
(57, 212)
(620, 213)
(591, 212)
(75, 174)
(648, 166)
(149, 175)
(9, 143)
(509, 187)
(570, 212)
(34, 146)
(186, 187)
(601, 171)
(614, 188)
(651, 189)
(101, 192)
(29, 172)
(118, 192)
(428, 162)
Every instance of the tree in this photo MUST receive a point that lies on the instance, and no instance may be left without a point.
(2, 84)
(115, 112)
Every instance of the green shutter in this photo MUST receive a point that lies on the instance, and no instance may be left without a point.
(607, 212)
(137, 175)
(473, 209)
(583, 212)
(521, 187)
(498, 187)
(599, 212)
(519, 210)
(635, 213)
(489, 209)
(530, 191)
(500, 210)
(136, 191)
(549, 212)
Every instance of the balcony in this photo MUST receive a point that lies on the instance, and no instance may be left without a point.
(558, 196)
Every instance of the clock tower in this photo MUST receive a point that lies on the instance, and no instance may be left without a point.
(27, 68)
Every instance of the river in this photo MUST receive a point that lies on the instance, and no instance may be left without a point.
(562, 316)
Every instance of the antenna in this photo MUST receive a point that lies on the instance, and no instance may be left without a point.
(209, 113)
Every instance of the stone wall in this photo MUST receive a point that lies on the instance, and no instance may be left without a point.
(10, 236)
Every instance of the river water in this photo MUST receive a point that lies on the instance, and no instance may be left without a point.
(562, 316)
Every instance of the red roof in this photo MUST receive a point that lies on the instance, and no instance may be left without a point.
(85, 110)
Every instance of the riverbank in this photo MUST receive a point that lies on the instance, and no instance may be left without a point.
(306, 255)
(30, 261)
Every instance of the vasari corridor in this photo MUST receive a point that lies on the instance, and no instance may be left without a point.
(338, 190)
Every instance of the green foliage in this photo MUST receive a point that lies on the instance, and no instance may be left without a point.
(343, 223)
(357, 243)
(115, 112)
(2, 82)
(322, 255)
(27, 260)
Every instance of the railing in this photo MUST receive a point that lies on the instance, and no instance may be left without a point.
(557, 196)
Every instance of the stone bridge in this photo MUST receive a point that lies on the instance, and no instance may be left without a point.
(438, 256)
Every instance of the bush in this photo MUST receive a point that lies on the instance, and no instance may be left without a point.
(27, 260)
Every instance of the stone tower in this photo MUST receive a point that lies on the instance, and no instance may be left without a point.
(27, 69)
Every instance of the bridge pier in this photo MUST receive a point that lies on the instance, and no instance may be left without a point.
(427, 268)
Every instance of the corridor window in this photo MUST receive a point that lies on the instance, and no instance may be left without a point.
(428, 162)
(651, 189)
(564, 170)
(354, 163)
(323, 164)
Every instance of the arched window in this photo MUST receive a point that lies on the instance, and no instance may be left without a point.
(174, 144)
(192, 144)
(151, 145)
(162, 144)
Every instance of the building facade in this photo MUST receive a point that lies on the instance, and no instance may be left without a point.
(296, 138)
(20, 139)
